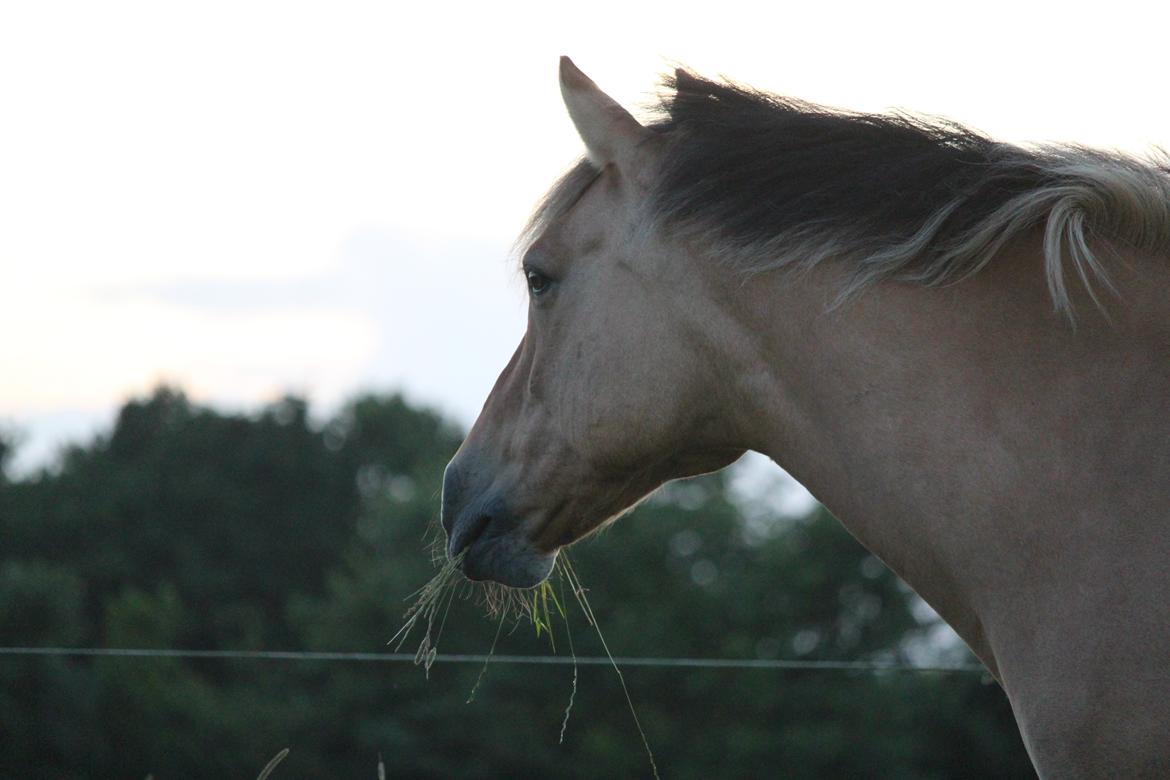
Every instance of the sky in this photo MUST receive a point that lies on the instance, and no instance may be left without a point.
(249, 199)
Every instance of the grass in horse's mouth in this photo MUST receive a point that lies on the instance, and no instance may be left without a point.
(537, 604)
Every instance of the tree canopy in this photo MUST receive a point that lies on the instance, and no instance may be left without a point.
(187, 527)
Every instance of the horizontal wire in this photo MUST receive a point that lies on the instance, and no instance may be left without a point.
(480, 658)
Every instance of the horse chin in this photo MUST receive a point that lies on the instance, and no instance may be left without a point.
(509, 560)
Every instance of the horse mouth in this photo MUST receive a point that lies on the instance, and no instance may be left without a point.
(504, 556)
(487, 540)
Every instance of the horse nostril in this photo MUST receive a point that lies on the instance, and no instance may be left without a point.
(465, 534)
(464, 520)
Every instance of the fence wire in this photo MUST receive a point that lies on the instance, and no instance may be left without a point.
(482, 658)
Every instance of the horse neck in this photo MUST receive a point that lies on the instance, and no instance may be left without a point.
(958, 432)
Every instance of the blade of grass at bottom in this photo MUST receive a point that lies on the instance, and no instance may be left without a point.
(267, 770)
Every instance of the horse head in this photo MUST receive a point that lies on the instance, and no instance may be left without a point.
(610, 392)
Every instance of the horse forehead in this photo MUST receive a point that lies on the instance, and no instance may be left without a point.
(575, 243)
(603, 204)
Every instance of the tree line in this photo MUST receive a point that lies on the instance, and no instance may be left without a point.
(188, 527)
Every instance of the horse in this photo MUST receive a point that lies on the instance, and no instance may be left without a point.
(960, 346)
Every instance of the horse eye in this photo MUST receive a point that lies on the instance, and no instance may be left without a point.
(537, 282)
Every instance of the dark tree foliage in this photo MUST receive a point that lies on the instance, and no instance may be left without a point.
(186, 527)
(6, 449)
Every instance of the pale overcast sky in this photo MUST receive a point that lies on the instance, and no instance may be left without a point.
(247, 199)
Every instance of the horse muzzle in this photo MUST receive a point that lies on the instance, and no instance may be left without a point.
(491, 540)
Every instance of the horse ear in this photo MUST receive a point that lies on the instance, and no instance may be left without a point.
(610, 134)
(684, 80)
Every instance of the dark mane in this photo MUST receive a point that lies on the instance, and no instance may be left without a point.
(769, 181)
(760, 165)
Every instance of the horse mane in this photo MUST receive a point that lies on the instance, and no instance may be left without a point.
(768, 181)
